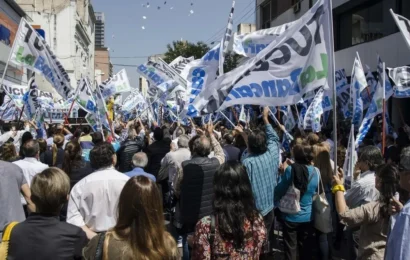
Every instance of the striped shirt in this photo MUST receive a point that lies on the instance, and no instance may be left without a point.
(362, 191)
(263, 172)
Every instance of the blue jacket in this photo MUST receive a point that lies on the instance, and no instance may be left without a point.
(305, 215)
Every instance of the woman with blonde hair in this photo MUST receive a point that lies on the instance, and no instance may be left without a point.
(55, 156)
(46, 236)
(325, 165)
(140, 229)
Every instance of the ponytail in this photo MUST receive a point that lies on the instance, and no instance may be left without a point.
(54, 153)
(67, 162)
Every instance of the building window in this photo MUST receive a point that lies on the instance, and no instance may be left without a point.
(269, 11)
(365, 23)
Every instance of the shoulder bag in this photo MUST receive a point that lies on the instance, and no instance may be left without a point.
(322, 216)
(4, 246)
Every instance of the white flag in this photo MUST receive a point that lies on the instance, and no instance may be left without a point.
(314, 113)
(401, 78)
(226, 40)
(242, 115)
(351, 156)
(295, 63)
(119, 83)
(359, 83)
(31, 51)
(404, 26)
(84, 96)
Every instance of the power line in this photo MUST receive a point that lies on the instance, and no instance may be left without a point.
(224, 28)
(239, 21)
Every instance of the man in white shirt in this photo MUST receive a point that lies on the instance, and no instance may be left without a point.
(30, 165)
(363, 188)
(11, 134)
(93, 200)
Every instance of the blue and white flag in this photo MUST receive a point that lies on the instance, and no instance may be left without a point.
(401, 78)
(359, 83)
(314, 113)
(226, 40)
(375, 108)
(119, 83)
(242, 115)
(367, 94)
(389, 87)
(289, 120)
(302, 115)
(281, 73)
(404, 25)
(249, 45)
(31, 51)
(84, 96)
(134, 100)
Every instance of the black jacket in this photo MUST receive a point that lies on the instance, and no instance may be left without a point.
(156, 152)
(43, 237)
(48, 158)
(126, 152)
(79, 171)
(195, 201)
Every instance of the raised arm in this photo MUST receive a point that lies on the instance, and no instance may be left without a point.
(216, 146)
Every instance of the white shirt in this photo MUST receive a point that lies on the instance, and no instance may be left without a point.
(93, 200)
(17, 139)
(362, 191)
(30, 167)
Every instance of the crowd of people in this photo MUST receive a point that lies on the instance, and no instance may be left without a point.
(198, 192)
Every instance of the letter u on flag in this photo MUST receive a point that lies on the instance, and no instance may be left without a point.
(295, 63)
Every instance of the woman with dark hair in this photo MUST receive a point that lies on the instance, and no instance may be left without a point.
(55, 156)
(236, 228)
(298, 231)
(140, 229)
(372, 218)
(27, 136)
(74, 164)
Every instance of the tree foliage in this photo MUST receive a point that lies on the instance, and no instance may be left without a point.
(197, 50)
(185, 49)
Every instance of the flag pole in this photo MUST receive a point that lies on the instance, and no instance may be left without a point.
(278, 124)
(333, 82)
(384, 110)
(227, 119)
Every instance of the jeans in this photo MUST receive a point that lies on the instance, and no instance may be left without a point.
(185, 248)
(323, 245)
(299, 237)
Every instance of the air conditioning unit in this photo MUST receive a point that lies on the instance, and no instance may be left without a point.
(296, 7)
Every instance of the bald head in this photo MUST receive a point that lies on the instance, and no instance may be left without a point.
(201, 146)
(140, 160)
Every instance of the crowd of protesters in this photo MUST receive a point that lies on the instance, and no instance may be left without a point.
(199, 192)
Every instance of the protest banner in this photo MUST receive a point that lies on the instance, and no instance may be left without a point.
(32, 51)
(119, 83)
(282, 72)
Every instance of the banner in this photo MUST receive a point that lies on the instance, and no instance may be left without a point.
(226, 40)
(170, 72)
(84, 96)
(119, 83)
(249, 45)
(295, 63)
(16, 93)
(375, 108)
(201, 73)
(133, 100)
(180, 63)
(30, 50)
(289, 120)
(404, 26)
(401, 78)
(314, 113)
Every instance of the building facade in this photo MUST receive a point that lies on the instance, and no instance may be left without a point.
(363, 26)
(99, 30)
(103, 66)
(69, 28)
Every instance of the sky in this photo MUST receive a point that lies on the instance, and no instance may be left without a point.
(173, 21)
